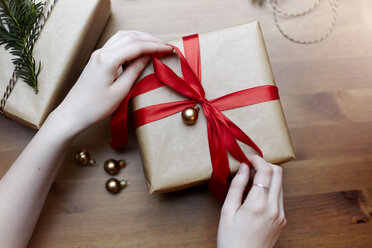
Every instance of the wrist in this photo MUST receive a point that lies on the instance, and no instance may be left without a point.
(63, 124)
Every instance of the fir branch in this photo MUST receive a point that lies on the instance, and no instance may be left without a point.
(18, 28)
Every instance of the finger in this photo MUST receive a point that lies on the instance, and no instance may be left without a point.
(263, 172)
(259, 195)
(119, 56)
(115, 37)
(237, 187)
(138, 36)
(127, 37)
(123, 84)
(112, 39)
(128, 41)
(283, 220)
(281, 204)
(276, 185)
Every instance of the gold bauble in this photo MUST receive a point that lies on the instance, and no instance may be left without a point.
(114, 186)
(83, 158)
(190, 115)
(113, 166)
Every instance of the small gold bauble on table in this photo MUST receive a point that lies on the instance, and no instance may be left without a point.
(190, 115)
(83, 158)
(113, 166)
(114, 186)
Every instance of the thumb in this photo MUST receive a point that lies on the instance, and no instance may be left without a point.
(125, 81)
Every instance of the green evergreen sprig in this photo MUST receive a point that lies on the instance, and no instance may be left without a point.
(18, 28)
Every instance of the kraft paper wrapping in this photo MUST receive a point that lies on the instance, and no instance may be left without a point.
(176, 156)
(63, 47)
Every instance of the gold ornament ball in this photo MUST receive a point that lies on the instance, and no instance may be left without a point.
(114, 186)
(113, 166)
(83, 158)
(190, 115)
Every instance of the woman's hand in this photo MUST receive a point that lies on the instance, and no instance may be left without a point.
(257, 221)
(99, 90)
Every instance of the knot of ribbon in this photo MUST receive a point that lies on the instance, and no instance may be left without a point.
(222, 132)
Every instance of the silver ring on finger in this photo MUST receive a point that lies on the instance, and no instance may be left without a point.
(266, 189)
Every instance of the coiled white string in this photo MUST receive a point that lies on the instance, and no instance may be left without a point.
(278, 12)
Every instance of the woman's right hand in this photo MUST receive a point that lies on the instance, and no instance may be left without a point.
(257, 221)
(100, 89)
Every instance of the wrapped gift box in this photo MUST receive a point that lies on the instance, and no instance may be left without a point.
(175, 155)
(63, 47)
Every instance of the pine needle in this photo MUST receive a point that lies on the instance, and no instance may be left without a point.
(17, 30)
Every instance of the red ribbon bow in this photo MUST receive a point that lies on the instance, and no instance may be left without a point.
(222, 132)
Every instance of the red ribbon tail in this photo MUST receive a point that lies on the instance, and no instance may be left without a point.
(220, 163)
(119, 126)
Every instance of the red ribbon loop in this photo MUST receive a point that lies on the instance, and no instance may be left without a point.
(222, 132)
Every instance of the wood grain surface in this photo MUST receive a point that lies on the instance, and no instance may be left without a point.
(326, 92)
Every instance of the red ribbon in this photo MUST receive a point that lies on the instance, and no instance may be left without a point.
(222, 132)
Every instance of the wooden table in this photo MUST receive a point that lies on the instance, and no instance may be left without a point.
(326, 92)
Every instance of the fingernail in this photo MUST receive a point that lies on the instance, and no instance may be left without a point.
(242, 168)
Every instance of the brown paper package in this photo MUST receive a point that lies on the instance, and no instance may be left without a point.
(176, 156)
(64, 46)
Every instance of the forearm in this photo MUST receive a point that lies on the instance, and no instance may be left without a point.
(24, 187)
(95, 96)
